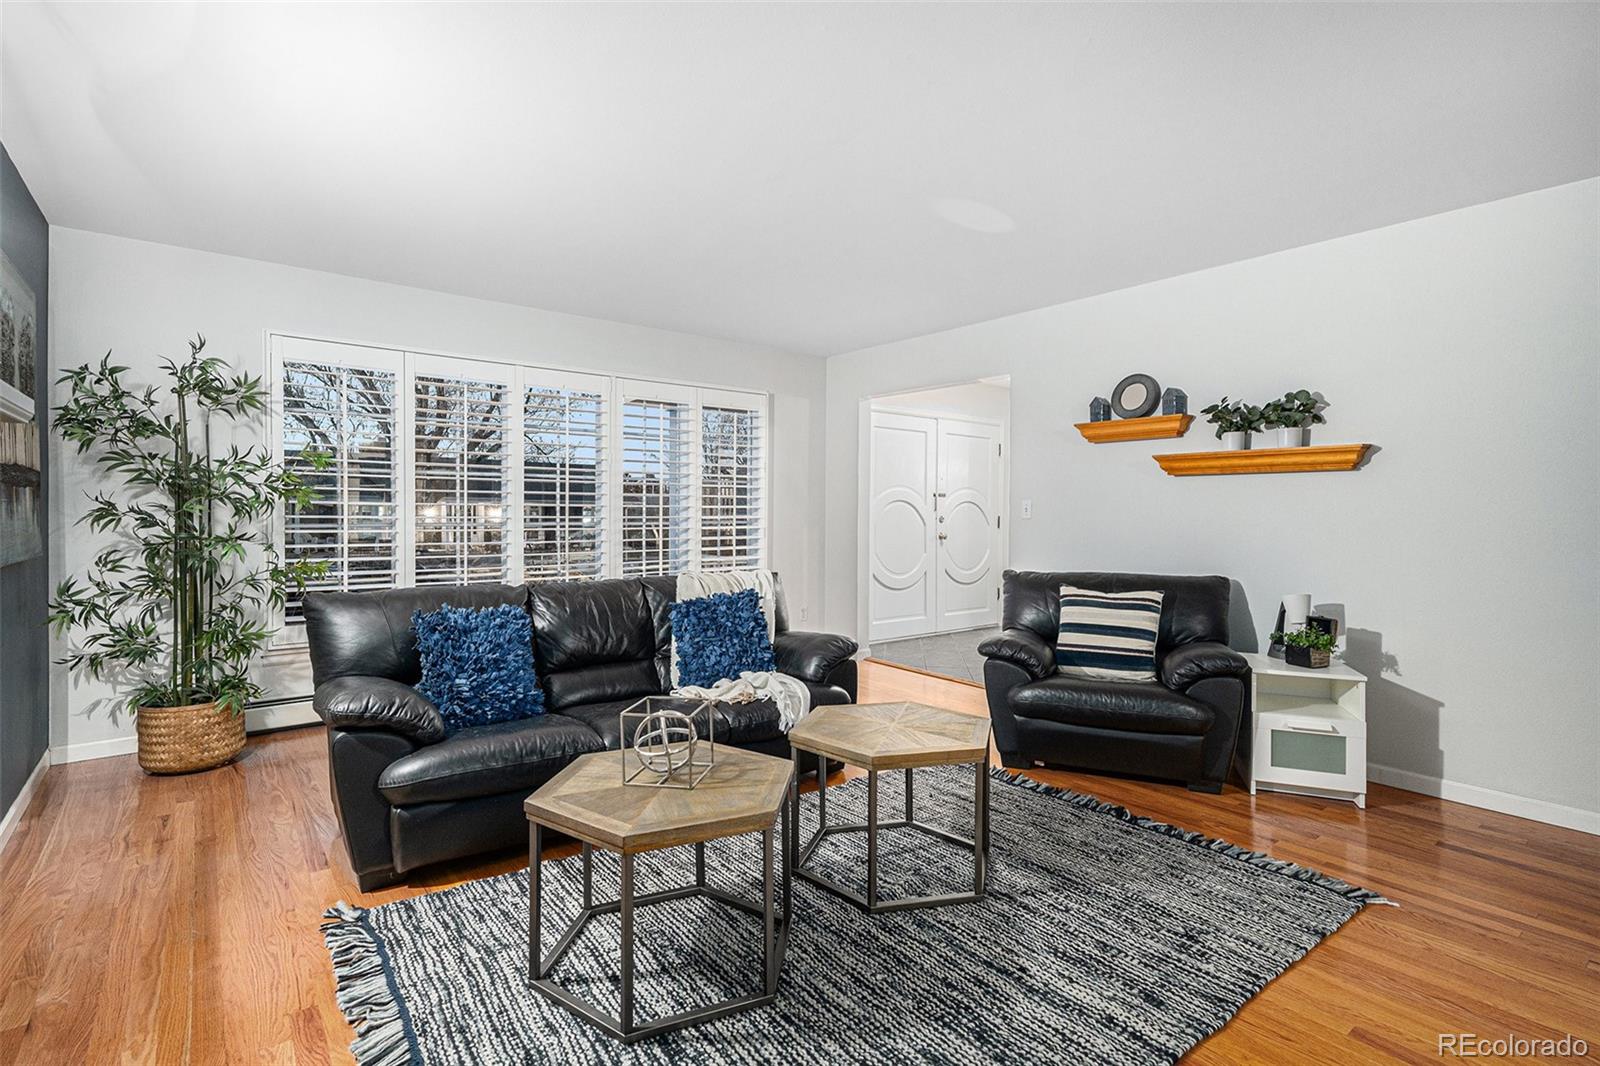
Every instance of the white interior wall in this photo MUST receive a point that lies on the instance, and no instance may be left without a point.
(143, 300)
(984, 402)
(1466, 346)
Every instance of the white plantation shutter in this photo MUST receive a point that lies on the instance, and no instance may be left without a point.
(732, 440)
(449, 471)
(564, 441)
(341, 401)
(460, 471)
(656, 431)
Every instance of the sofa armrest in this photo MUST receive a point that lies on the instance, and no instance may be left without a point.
(1188, 663)
(811, 656)
(1024, 648)
(358, 702)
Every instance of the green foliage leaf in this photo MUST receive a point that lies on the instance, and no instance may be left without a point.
(1306, 637)
(174, 611)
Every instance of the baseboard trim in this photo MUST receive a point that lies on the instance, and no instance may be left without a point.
(283, 715)
(1488, 799)
(279, 716)
(83, 751)
(19, 806)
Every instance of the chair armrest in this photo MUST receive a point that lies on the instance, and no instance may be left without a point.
(359, 702)
(811, 656)
(1188, 663)
(1024, 648)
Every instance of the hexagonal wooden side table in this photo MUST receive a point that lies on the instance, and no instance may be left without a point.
(745, 792)
(894, 736)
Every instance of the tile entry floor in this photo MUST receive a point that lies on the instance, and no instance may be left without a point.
(950, 654)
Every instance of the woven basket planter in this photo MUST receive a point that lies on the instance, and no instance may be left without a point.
(181, 740)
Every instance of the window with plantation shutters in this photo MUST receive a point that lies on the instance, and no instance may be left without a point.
(340, 402)
(460, 484)
(563, 476)
(656, 532)
(731, 535)
(449, 471)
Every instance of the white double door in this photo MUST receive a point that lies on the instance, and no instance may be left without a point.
(933, 525)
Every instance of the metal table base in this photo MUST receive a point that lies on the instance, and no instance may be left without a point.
(978, 845)
(626, 1027)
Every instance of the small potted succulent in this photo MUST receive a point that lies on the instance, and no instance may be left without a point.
(1307, 646)
(1235, 421)
(1293, 416)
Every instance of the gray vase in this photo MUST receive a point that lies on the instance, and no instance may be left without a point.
(1237, 441)
(1294, 436)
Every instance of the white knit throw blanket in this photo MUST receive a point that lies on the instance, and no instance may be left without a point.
(790, 694)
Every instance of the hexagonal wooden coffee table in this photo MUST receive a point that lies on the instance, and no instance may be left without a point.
(745, 792)
(894, 736)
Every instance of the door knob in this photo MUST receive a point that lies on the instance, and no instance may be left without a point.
(944, 536)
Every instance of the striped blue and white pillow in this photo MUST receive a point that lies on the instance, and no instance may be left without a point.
(1108, 636)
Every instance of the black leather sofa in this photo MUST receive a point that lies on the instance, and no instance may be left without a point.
(1183, 726)
(408, 795)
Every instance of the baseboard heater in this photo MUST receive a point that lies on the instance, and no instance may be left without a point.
(286, 712)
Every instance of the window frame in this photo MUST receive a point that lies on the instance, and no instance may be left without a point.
(473, 370)
(571, 381)
(734, 400)
(615, 389)
(292, 349)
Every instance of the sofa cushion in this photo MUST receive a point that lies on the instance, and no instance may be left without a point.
(585, 623)
(1132, 706)
(718, 637)
(486, 759)
(736, 723)
(1192, 608)
(1108, 636)
(369, 633)
(477, 664)
(602, 683)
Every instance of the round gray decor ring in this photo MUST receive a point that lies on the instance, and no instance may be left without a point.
(1152, 396)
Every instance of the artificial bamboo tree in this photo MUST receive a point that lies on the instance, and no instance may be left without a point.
(172, 612)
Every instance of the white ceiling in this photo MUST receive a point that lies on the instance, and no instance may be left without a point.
(815, 177)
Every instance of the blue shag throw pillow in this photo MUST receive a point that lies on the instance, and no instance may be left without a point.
(720, 636)
(477, 664)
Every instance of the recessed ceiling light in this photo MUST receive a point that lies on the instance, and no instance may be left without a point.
(970, 214)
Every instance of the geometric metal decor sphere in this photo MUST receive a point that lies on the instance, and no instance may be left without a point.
(664, 741)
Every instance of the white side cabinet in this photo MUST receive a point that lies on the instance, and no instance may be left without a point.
(1308, 730)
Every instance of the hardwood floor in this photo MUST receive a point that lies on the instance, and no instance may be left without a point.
(174, 920)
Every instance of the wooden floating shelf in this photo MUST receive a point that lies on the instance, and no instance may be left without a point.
(1264, 460)
(1156, 427)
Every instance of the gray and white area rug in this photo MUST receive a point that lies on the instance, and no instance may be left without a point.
(1105, 938)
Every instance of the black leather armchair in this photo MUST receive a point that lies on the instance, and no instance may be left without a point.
(1185, 725)
(408, 794)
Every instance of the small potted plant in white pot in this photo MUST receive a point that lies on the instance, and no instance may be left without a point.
(173, 610)
(1235, 421)
(1293, 416)
(1306, 647)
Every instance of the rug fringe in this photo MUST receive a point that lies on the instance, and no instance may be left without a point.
(1355, 894)
(363, 988)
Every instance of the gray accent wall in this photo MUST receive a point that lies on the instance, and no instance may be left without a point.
(24, 586)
